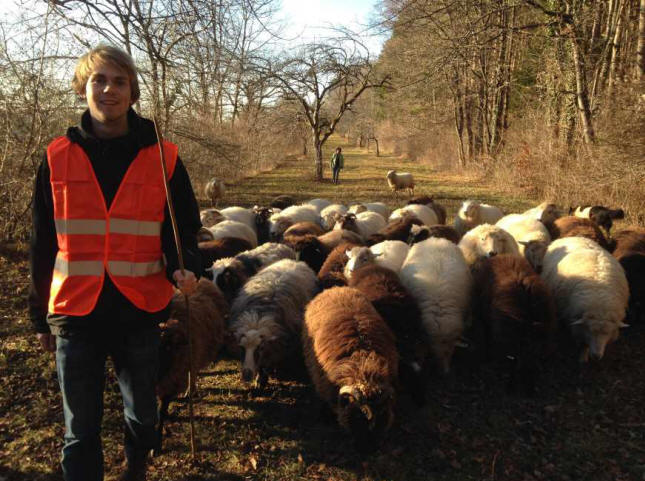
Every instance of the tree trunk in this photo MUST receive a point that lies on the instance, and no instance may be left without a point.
(318, 166)
(582, 95)
(615, 52)
(640, 50)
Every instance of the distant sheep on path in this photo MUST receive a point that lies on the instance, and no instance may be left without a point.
(400, 181)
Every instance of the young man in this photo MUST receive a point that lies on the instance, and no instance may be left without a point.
(102, 260)
(337, 163)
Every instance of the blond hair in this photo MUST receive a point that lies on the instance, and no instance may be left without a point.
(101, 54)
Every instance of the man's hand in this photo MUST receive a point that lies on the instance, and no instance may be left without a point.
(186, 282)
(47, 342)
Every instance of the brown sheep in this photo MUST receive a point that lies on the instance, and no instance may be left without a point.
(630, 252)
(282, 201)
(220, 248)
(382, 287)
(420, 233)
(313, 250)
(629, 240)
(513, 316)
(303, 228)
(331, 272)
(351, 357)
(397, 229)
(571, 226)
(429, 201)
(208, 311)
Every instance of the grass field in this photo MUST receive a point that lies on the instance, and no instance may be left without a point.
(584, 424)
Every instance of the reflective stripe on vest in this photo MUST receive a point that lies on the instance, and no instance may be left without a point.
(125, 241)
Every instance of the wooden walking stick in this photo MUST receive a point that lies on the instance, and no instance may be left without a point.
(180, 258)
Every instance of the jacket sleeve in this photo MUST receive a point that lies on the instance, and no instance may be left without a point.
(188, 223)
(43, 248)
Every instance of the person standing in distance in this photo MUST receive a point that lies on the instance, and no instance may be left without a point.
(103, 261)
(337, 163)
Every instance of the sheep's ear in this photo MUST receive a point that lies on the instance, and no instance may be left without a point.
(348, 253)
(622, 325)
(524, 243)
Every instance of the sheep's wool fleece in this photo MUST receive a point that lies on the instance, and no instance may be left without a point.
(437, 276)
(587, 282)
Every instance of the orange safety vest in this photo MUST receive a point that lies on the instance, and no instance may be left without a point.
(125, 241)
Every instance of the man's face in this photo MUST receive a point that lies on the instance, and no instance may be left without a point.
(108, 92)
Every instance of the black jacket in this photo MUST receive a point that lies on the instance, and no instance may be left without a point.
(110, 159)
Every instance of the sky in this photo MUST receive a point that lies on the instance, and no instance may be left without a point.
(308, 16)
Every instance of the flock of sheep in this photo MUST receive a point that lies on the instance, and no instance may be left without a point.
(372, 301)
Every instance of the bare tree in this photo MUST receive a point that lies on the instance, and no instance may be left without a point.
(326, 77)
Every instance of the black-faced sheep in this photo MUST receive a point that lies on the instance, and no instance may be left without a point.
(438, 209)
(437, 276)
(590, 290)
(400, 311)
(602, 216)
(331, 273)
(486, 240)
(263, 223)
(214, 190)
(419, 233)
(266, 318)
(208, 310)
(513, 316)
(473, 213)
(571, 226)
(351, 356)
(313, 250)
(400, 181)
(397, 229)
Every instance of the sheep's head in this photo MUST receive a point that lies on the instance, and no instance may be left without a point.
(210, 217)
(367, 411)
(262, 215)
(595, 336)
(204, 235)
(231, 279)
(254, 333)
(358, 208)
(330, 219)
(358, 257)
(278, 226)
(534, 253)
(492, 240)
(390, 175)
(603, 216)
(348, 222)
(471, 210)
(312, 252)
(550, 213)
(418, 233)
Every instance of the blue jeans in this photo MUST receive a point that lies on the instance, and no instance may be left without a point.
(335, 173)
(80, 362)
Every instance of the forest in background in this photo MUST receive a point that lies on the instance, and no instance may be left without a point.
(543, 97)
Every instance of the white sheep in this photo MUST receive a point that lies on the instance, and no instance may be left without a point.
(389, 254)
(240, 214)
(210, 217)
(364, 224)
(319, 204)
(473, 213)
(296, 213)
(423, 213)
(232, 228)
(378, 207)
(487, 240)
(531, 235)
(590, 290)
(546, 213)
(266, 317)
(214, 190)
(400, 181)
(330, 214)
(436, 274)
